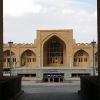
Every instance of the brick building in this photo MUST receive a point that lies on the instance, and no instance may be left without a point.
(53, 56)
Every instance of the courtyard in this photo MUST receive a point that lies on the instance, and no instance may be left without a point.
(50, 91)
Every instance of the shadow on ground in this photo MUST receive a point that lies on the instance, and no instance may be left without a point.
(50, 96)
(48, 91)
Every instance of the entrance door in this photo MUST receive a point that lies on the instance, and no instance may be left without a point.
(56, 79)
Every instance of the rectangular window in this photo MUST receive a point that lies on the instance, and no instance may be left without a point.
(81, 59)
(30, 59)
(85, 59)
(35, 59)
(8, 60)
(15, 59)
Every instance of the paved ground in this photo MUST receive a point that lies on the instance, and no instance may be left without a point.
(50, 91)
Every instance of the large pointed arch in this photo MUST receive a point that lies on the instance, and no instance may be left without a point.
(54, 51)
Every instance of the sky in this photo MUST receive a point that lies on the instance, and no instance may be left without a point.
(23, 17)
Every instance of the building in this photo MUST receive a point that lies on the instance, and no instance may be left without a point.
(54, 56)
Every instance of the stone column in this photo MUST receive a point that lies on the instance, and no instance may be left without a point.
(1, 38)
(98, 23)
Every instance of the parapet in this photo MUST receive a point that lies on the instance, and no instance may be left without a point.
(83, 44)
(20, 44)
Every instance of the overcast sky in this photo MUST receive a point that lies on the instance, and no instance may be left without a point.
(23, 17)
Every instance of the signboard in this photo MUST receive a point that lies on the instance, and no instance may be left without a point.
(53, 75)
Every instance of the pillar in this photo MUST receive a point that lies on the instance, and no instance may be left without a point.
(53, 79)
(48, 79)
(59, 80)
(98, 31)
(1, 38)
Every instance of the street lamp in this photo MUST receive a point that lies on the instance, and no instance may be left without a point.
(93, 45)
(10, 61)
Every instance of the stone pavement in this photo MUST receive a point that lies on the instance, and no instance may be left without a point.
(50, 91)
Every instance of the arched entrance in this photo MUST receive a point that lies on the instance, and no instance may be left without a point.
(6, 57)
(81, 59)
(54, 51)
(28, 58)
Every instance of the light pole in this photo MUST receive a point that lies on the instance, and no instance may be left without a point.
(10, 61)
(93, 45)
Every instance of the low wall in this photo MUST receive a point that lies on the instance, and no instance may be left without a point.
(90, 88)
(68, 72)
(9, 87)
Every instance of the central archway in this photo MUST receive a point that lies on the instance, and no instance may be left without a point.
(54, 51)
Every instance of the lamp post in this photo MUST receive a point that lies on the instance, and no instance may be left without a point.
(93, 45)
(10, 61)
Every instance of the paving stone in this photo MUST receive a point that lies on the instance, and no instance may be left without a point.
(50, 91)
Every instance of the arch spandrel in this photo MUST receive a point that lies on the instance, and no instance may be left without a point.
(28, 50)
(81, 50)
(50, 36)
(84, 49)
(8, 51)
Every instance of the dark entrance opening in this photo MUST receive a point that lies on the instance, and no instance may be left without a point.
(51, 79)
(61, 79)
(56, 79)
